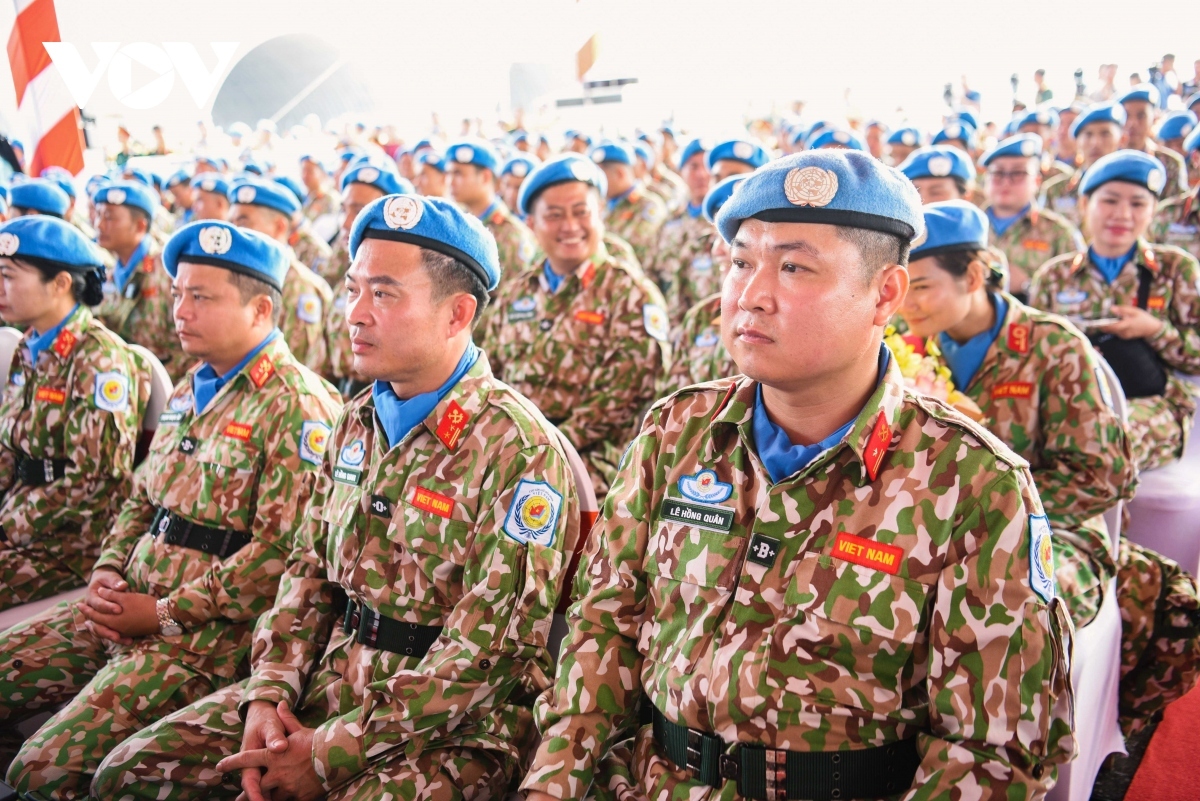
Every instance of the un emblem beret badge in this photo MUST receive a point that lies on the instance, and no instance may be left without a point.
(810, 186)
(215, 240)
(402, 211)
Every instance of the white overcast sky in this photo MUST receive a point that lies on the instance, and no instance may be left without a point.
(704, 63)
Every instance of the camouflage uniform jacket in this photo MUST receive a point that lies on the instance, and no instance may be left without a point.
(306, 301)
(882, 592)
(335, 268)
(1042, 393)
(142, 313)
(430, 531)
(1060, 195)
(636, 218)
(1177, 174)
(310, 250)
(1034, 239)
(683, 265)
(670, 187)
(587, 355)
(1073, 287)
(84, 402)
(1178, 222)
(514, 241)
(247, 464)
(697, 352)
(319, 205)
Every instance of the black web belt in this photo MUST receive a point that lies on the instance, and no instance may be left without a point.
(376, 631)
(772, 775)
(174, 530)
(40, 472)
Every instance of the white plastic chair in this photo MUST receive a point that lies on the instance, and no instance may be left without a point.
(160, 391)
(1096, 665)
(10, 339)
(589, 510)
(1164, 516)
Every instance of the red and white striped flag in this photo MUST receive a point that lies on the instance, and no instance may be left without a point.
(43, 100)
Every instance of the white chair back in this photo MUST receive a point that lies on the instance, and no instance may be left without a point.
(160, 387)
(589, 511)
(10, 340)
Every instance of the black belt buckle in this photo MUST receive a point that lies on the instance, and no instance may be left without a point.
(350, 619)
(694, 754)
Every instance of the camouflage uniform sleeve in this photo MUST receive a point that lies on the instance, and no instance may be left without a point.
(1041, 284)
(1179, 340)
(623, 382)
(596, 689)
(100, 445)
(501, 623)
(1086, 462)
(243, 586)
(1000, 703)
(290, 636)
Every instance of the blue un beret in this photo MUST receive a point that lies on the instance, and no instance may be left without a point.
(176, 178)
(1192, 143)
(291, 184)
(967, 116)
(834, 187)
(62, 177)
(1145, 92)
(431, 223)
(476, 152)
(719, 194)
(1041, 116)
(380, 176)
(909, 137)
(645, 152)
(262, 192)
(3, 199)
(1022, 145)
(40, 194)
(49, 239)
(956, 130)
(1192, 102)
(1177, 126)
(216, 164)
(938, 161)
(738, 150)
(834, 138)
(520, 165)
(1129, 166)
(1100, 112)
(433, 158)
(951, 225)
(580, 135)
(223, 244)
(211, 182)
(617, 152)
(128, 193)
(559, 170)
(690, 149)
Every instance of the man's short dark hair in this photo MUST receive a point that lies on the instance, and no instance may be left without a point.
(136, 213)
(250, 287)
(876, 248)
(450, 276)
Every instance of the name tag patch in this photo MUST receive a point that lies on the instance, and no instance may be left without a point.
(524, 308)
(867, 553)
(51, 395)
(590, 317)
(239, 431)
(713, 518)
(1013, 389)
(1156, 304)
(170, 418)
(432, 502)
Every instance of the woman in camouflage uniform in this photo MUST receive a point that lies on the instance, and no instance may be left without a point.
(69, 415)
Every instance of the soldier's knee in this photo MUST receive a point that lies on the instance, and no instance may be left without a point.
(30, 771)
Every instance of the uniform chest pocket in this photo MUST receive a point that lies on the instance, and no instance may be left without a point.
(690, 577)
(426, 553)
(228, 469)
(860, 630)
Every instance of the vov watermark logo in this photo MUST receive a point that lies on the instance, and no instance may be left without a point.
(165, 61)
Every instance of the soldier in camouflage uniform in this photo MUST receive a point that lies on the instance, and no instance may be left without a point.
(196, 553)
(1141, 102)
(362, 183)
(1040, 388)
(210, 192)
(697, 353)
(633, 214)
(1177, 222)
(1027, 235)
(867, 615)
(70, 414)
(310, 250)
(137, 292)
(734, 157)
(443, 526)
(512, 174)
(683, 265)
(268, 207)
(1102, 283)
(662, 182)
(472, 166)
(581, 334)
(318, 199)
(1097, 132)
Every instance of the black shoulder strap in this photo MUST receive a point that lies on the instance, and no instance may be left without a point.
(1144, 278)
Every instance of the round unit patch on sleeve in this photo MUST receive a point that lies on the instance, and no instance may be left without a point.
(314, 435)
(308, 308)
(1041, 557)
(112, 392)
(533, 514)
(654, 317)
